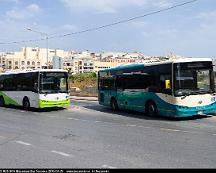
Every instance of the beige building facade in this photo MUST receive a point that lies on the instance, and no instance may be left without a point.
(29, 58)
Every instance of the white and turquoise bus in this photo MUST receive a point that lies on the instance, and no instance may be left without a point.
(35, 88)
(175, 88)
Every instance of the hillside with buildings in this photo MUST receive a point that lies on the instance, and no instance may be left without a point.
(82, 66)
(74, 62)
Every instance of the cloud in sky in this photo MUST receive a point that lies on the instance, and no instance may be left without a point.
(207, 15)
(112, 6)
(16, 1)
(99, 6)
(25, 13)
(163, 3)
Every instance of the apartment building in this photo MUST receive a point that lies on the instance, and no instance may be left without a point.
(82, 62)
(29, 58)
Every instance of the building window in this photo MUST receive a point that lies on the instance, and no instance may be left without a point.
(16, 63)
(16, 67)
(38, 63)
(28, 62)
(9, 62)
(23, 62)
(33, 63)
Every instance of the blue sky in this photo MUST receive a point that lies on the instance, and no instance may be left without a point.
(188, 31)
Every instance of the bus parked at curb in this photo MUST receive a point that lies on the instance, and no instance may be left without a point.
(43, 88)
(182, 87)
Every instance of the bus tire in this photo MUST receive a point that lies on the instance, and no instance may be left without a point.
(114, 104)
(2, 102)
(26, 104)
(151, 109)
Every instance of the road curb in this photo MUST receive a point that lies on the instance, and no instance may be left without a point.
(84, 98)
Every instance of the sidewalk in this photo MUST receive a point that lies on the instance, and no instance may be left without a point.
(84, 98)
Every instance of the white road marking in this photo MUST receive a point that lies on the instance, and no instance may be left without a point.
(107, 166)
(186, 131)
(61, 153)
(131, 125)
(98, 121)
(144, 127)
(51, 116)
(23, 143)
(74, 119)
(173, 130)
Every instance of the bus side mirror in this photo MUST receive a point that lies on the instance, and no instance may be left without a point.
(167, 84)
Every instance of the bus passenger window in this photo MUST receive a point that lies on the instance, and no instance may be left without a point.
(107, 84)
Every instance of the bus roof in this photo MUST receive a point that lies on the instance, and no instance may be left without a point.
(177, 60)
(30, 71)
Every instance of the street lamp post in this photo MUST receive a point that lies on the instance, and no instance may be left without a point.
(45, 34)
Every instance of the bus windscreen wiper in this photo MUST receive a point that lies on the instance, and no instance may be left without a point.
(184, 93)
(200, 92)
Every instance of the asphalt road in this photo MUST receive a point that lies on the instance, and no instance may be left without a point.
(92, 136)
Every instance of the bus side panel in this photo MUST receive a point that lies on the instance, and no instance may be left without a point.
(33, 98)
(132, 99)
(104, 97)
(8, 98)
(16, 98)
(136, 101)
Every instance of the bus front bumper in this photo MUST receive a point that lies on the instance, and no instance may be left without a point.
(186, 112)
(49, 104)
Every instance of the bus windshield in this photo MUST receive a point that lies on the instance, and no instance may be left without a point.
(53, 82)
(193, 78)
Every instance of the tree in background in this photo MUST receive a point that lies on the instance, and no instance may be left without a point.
(86, 82)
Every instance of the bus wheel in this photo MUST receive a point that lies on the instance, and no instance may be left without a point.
(2, 103)
(151, 109)
(114, 104)
(26, 103)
